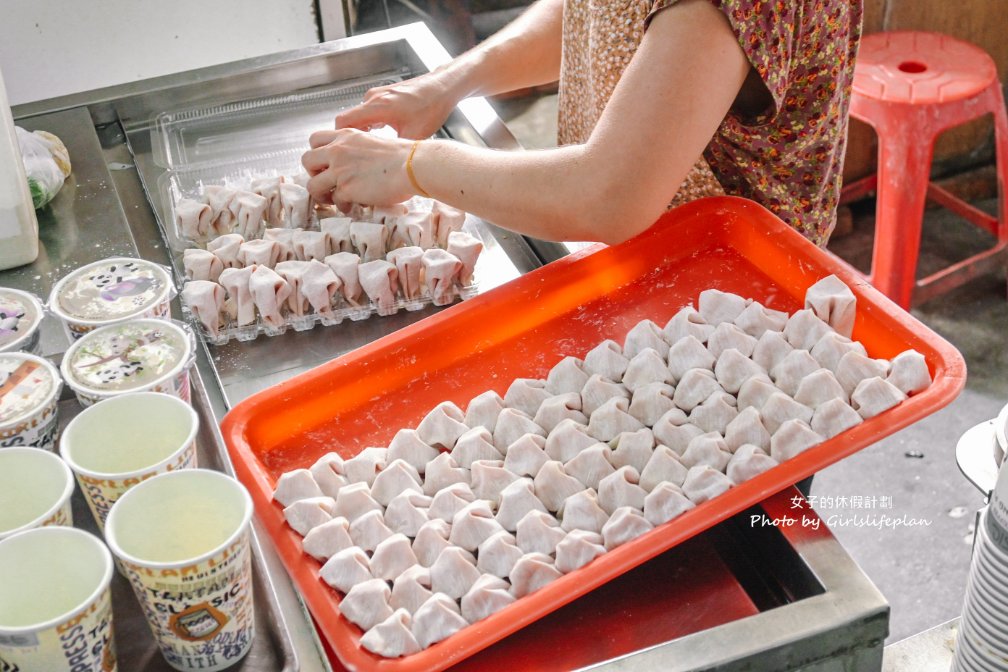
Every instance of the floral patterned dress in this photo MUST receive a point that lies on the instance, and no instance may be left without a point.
(788, 158)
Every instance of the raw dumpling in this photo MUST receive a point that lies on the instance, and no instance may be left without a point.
(621, 488)
(446, 220)
(430, 540)
(310, 245)
(483, 410)
(407, 512)
(707, 449)
(489, 477)
(365, 465)
(411, 589)
(269, 188)
(328, 473)
(748, 462)
(295, 202)
(651, 401)
(874, 395)
(293, 272)
(467, 249)
(577, 549)
(626, 524)
(294, 485)
(727, 336)
(909, 372)
(790, 371)
(553, 485)
(337, 231)
(487, 596)
(326, 540)
(248, 210)
(558, 408)
(284, 241)
(632, 449)
(511, 425)
(192, 219)
(473, 525)
(532, 572)
(819, 387)
(779, 408)
(527, 395)
(516, 500)
(687, 322)
(664, 503)
(319, 285)
(834, 416)
(829, 349)
(408, 446)
(704, 483)
(437, 619)
(715, 413)
(665, 466)
(453, 573)
(581, 511)
(442, 472)
(755, 392)
(771, 349)
(539, 532)
(370, 240)
(645, 334)
(607, 360)
(834, 303)
(675, 436)
(354, 500)
(747, 427)
(366, 605)
(476, 444)
(716, 306)
(346, 569)
(205, 300)
(201, 265)
(688, 353)
(270, 292)
(392, 557)
(345, 266)
(414, 229)
(525, 456)
(226, 249)
(219, 199)
(567, 440)
(236, 282)
(407, 262)
(855, 367)
(441, 274)
(393, 637)
(399, 476)
(611, 419)
(380, 281)
(756, 319)
(793, 437)
(450, 500)
(258, 252)
(569, 375)
(498, 555)
(597, 391)
(804, 329)
(733, 369)
(591, 465)
(442, 426)
(694, 387)
(305, 514)
(369, 530)
(646, 367)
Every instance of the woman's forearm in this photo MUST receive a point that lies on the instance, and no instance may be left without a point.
(524, 53)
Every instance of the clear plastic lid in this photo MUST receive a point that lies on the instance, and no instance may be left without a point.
(111, 289)
(129, 356)
(20, 315)
(26, 384)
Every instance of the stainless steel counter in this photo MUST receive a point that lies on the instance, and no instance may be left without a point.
(817, 610)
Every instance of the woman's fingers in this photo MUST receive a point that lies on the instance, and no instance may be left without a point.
(322, 138)
(362, 117)
(321, 186)
(316, 160)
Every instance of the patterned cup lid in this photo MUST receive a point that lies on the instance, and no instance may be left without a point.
(27, 383)
(128, 356)
(111, 289)
(20, 315)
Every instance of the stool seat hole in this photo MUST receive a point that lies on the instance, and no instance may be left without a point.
(913, 67)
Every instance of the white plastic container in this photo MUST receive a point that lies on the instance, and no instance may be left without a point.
(21, 315)
(18, 226)
(29, 390)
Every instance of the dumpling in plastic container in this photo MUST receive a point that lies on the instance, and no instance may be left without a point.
(687, 322)
(295, 485)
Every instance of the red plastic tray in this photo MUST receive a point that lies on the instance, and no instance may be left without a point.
(521, 330)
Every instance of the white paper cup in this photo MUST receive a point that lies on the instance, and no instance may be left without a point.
(114, 445)
(29, 390)
(21, 314)
(110, 291)
(182, 539)
(133, 356)
(35, 489)
(55, 607)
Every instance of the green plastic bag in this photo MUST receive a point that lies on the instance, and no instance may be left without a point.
(47, 164)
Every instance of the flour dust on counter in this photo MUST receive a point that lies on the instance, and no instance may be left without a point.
(477, 508)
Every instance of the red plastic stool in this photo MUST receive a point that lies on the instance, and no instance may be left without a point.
(911, 86)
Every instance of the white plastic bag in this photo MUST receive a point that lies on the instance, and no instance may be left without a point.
(47, 164)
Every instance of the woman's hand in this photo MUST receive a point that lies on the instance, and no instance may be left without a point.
(349, 166)
(415, 108)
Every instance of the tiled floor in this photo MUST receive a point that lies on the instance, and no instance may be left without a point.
(920, 569)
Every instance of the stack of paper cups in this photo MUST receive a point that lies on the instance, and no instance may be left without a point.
(982, 642)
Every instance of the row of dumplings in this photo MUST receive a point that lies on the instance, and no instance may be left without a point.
(272, 201)
(296, 288)
(472, 510)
